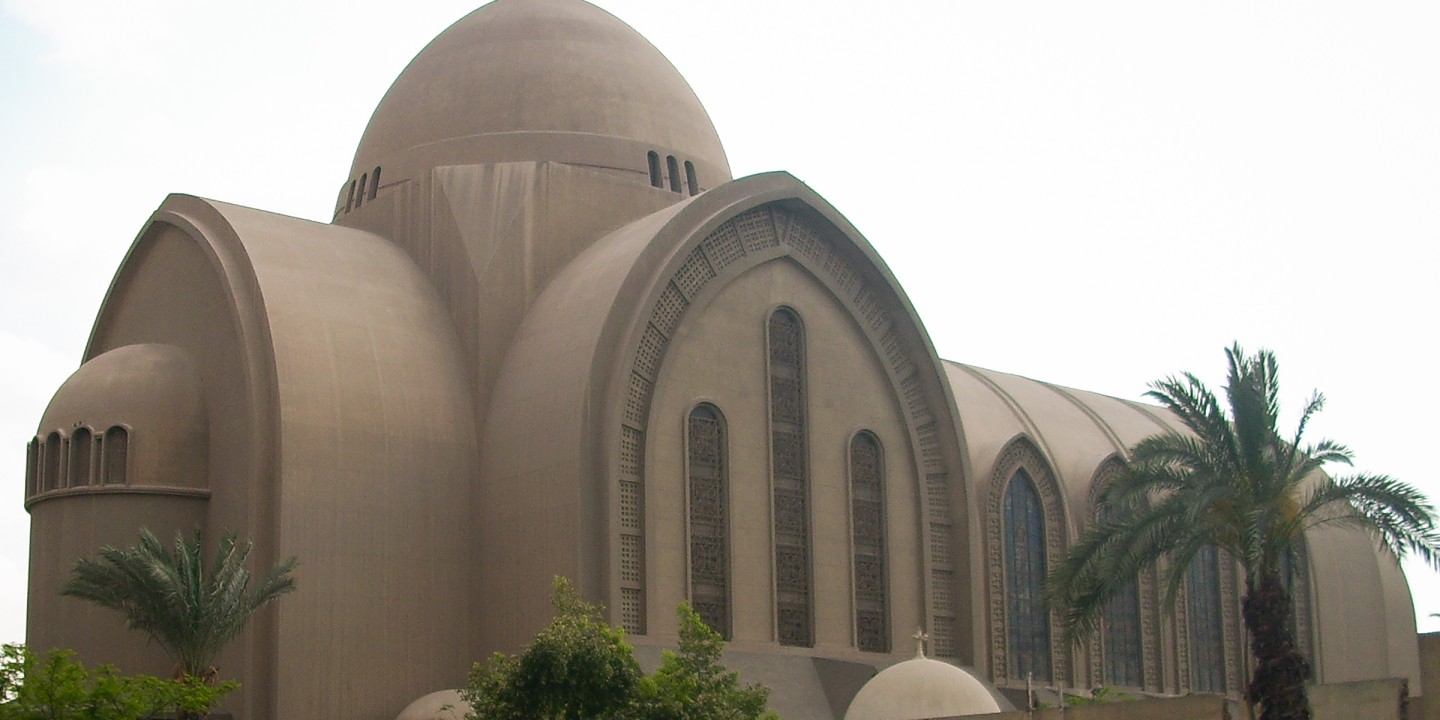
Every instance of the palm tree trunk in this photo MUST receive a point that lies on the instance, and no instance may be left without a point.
(1278, 683)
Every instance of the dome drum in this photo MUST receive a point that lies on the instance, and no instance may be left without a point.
(540, 81)
(628, 159)
(129, 420)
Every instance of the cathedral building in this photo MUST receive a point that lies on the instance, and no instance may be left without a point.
(547, 333)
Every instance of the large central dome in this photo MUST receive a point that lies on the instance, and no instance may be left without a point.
(534, 80)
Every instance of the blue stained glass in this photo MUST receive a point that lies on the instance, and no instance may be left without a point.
(1027, 622)
(1207, 640)
(1122, 641)
(1122, 638)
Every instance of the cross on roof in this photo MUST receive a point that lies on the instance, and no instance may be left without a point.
(920, 638)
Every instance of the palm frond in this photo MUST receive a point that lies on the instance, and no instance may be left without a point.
(189, 611)
(1399, 516)
(1233, 482)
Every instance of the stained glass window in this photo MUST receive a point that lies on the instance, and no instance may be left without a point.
(1206, 626)
(1027, 622)
(1122, 642)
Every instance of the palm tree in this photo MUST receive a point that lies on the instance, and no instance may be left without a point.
(187, 609)
(1234, 483)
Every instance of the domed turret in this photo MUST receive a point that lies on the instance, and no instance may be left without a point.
(132, 416)
(540, 80)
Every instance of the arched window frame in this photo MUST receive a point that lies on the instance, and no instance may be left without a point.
(115, 451)
(52, 462)
(1206, 660)
(1021, 454)
(707, 510)
(868, 542)
(673, 167)
(789, 480)
(691, 182)
(1128, 659)
(82, 452)
(375, 182)
(657, 176)
(32, 466)
(1297, 583)
(1027, 624)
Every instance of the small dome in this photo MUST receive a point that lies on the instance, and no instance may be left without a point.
(921, 688)
(531, 80)
(147, 385)
(441, 705)
(150, 392)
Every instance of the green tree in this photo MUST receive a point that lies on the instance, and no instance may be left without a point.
(692, 684)
(577, 668)
(187, 608)
(55, 686)
(1235, 483)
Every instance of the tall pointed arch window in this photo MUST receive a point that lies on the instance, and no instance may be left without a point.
(707, 493)
(867, 510)
(1205, 622)
(1121, 633)
(789, 479)
(1027, 622)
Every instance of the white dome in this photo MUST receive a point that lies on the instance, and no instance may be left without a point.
(921, 688)
(442, 705)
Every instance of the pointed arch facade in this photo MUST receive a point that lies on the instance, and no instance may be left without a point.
(711, 242)
(1125, 653)
(1024, 531)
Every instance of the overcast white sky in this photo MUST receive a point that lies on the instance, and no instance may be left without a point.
(1095, 194)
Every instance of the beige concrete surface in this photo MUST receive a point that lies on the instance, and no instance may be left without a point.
(478, 378)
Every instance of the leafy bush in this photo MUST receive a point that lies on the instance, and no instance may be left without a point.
(55, 686)
(579, 667)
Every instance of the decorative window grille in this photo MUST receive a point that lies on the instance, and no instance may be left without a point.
(1027, 620)
(867, 509)
(790, 479)
(1206, 622)
(709, 541)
